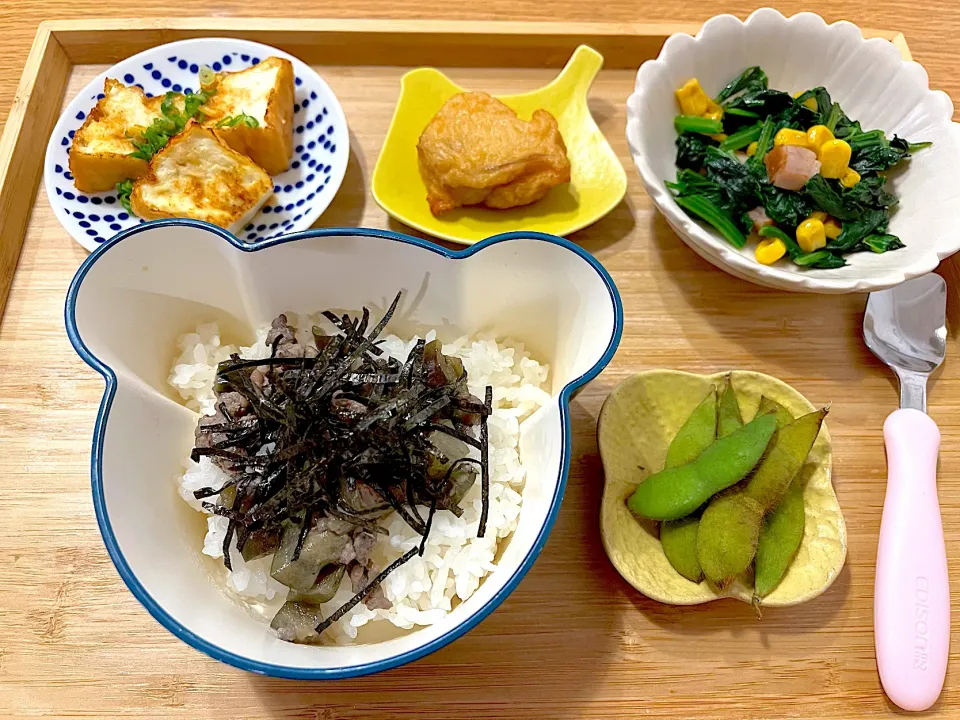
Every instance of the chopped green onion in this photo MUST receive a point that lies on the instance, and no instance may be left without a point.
(742, 138)
(692, 123)
(705, 209)
(241, 119)
(207, 76)
(124, 188)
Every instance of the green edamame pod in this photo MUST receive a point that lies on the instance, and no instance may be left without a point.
(679, 541)
(766, 487)
(676, 492)
(784, 458)
(679, 537)
(727, 536)
(728, 414)
(696, 434)
(779, 540)
(767, 406)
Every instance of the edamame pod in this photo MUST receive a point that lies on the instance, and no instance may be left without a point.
(696, 434)
(676, 492)
(785, 457)
(679, 537)
(779, 540)
(766, 487)
(679, 541)
(767, 406)
(727, 536)
(728, 414)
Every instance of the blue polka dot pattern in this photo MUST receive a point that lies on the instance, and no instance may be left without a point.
(300, 193)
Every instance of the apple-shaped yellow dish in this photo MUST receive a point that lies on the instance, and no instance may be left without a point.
(598, 181)
(637, 423)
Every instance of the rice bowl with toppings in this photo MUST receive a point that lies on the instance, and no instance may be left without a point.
(444, 566)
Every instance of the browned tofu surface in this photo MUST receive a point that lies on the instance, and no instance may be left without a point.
(198, 176)
(264, 92)
(100, 152)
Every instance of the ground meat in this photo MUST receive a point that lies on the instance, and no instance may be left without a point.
(360, 578)
(234, 403)
(290, 350)
(280, 332)
(340, 527)
(347, 409)
(348, 555)
(364, 543)
(360, 497)
(236, 406)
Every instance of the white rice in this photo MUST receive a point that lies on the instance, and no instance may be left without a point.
(455, 560)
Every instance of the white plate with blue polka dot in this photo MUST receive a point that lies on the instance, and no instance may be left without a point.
(300, 195)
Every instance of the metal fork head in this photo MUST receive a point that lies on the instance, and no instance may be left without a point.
(905, 327)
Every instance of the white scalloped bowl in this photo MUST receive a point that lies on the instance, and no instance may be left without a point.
(138, 292)
(872, 82)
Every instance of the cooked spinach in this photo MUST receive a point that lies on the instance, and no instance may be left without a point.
(753, 78)
(715, 184)
(869, 192)
(763, 102)
(785, 207)
(827, 198)
(880, 243)
(871, 221)
(692, 150)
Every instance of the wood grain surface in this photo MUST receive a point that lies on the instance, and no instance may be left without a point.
(574, 640)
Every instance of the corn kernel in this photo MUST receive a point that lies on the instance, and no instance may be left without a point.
(713, 111)
(786, 136)
(719, 137)
(693, 100)
(769, 250)
(817, 136)
(752, 149)
(832, 228)
(819, 215)
(811, 235)
(834, 158)
(850, 178)
(810, 103)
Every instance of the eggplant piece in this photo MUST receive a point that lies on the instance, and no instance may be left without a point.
(461, 480)
(320, 548)
(324, 589)
(260, 543)
(445, 450)
(228, 496)
(297, 622)
(440, 369)
(359, 497)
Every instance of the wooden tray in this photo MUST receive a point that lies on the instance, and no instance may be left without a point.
(573, 640)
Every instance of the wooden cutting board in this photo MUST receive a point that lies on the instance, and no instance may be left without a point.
(574, 640)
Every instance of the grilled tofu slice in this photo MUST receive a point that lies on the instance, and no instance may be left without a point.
(264, 92)
(198, 176)
(100, 153)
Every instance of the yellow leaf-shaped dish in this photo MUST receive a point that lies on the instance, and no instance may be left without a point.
(598, 181)
(637, 423)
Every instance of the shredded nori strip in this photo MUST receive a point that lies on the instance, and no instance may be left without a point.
(352, 602)
(334, 428)
(485, 466)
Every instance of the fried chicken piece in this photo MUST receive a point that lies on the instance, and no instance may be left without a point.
(476, 151)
